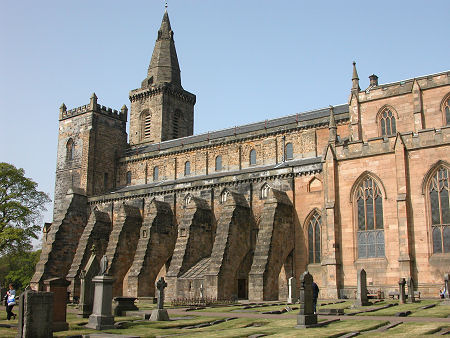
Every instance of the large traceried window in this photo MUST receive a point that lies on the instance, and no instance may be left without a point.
(369, 215)
(387, 123)
(314, 224)
(440, 210)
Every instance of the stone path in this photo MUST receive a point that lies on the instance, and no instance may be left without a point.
(180, 312)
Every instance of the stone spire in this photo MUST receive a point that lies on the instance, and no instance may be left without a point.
(355, 79)
(164, 67)
(332, 127)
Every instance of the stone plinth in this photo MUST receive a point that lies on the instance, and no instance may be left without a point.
(59, 288)
(35, 314)
(159, 314)
(122, 304)
(101, 317)
(401, 290)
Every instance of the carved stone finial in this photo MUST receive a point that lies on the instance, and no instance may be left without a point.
(93, 249)
(103, 265)
(63, 108)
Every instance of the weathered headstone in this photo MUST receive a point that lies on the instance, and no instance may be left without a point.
(59, 288)
(411, 298)
(122, 304)
(35, 314)
(292, 290)
(361, 293)
(160, 313)
(86, 287)
(306, 317)
(401, 290)
(101, 317)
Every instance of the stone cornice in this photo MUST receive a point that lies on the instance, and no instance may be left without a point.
(139, 94)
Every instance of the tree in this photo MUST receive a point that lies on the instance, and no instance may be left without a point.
(21, 208)
(18, 268)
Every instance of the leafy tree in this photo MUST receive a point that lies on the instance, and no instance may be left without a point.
(21, 207)
(18, 268)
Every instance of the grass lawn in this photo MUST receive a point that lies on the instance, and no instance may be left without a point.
(409, 329)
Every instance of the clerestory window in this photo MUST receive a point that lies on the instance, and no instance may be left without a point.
(289, 151)
(387, 123)
(252, 157)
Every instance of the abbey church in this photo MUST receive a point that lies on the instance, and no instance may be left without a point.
(235, 213)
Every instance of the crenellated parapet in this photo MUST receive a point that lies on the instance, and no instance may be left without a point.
(107, 111)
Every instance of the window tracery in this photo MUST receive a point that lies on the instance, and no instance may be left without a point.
(314, 250)
(387, 123)
(438, 189)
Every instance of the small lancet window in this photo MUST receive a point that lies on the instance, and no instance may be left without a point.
(224, 196)
(438, 189)
(369, 211)
(447, 111)
(155, 173)
(70, 149)
(218, 163)
(289, 151)
(252, 157)
(128, 177)
(314, 224)
(187, 168)
(387, 123)
(265, 191)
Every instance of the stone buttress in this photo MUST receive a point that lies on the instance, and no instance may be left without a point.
(122, 244)
(154, 248)
(194, 242)
(231, 246)
(95, 234)
(274, 243)
(61, 242)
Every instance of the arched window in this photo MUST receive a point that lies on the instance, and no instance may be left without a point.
(218, 163)
(187, 168)
(224, 196)
(369, 216)
(446, 108)
(387, 123)
(265, 191)
(145, 125)
(252, 157)
(128, 177)
(289, 151)
(440, 210)
(314, 224)
(70, 149)
(155, 173)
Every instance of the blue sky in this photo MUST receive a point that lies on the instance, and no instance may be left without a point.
(245, 60)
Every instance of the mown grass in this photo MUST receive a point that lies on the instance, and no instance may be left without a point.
(410, 329)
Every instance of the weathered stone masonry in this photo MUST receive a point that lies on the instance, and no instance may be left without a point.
(237, 212)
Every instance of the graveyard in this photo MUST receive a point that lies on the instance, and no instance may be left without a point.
(403, 313)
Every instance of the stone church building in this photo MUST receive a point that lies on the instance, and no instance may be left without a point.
(237, 212)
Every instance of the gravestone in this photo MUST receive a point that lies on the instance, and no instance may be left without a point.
(291, 290)
(306, 317)
(122, 304)
(160, 313)
(446, 290)
(35, 314)
(59, 288)
(86, 287)
(201, 291)
(361, 293)
(401, 290)
(411, 298)
(101, 317)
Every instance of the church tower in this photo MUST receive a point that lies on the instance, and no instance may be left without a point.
(161, 109)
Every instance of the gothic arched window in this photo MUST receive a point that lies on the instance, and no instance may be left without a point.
(446, 108)
(155, 173)
(314, 224)
(252, 157)
(145, 125)
(70, 149)
(265, 191)
(128, 177)
(369, 216)
(387, 123)
(218, 163)
(187, 168)
(440, 210)
(289, 151)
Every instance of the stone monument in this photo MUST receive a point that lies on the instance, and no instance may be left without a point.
(35, 314)
(401, 290)
(292, 291)
(101, 317)
(306, 317)
(411, 297)
(361, 293)
(59, 288)
(160, 313)
(86, 288)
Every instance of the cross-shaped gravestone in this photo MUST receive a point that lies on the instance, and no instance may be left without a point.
(160, 285)
(401, 290)
(411, 298)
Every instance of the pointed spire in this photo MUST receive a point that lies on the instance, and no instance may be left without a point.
(164, 67)
(332, 126)
(355, 79)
